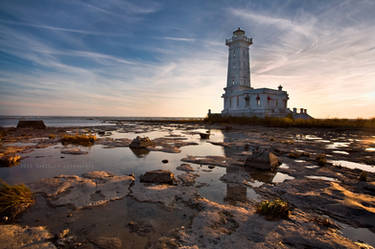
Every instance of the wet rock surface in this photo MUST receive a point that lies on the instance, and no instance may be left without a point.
(15, 236)
(92, 189)
(141, 214)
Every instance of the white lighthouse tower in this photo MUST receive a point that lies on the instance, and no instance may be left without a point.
(238, 60)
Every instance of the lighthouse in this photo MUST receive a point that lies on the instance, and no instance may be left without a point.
(240, 98)
(238, 60)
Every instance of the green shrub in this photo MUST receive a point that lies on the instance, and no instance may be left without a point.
(14, 199)
(85, 140)
(273, 209)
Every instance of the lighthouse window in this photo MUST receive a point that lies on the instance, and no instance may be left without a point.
(247, 100)
(238, 101)
(232, 82)
(258, 101)
(230, 102)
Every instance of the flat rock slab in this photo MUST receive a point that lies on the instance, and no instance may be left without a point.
(15, 236)
(107, 242)
(91, 189)
(356, 209)
(227, 226)
(163, 193)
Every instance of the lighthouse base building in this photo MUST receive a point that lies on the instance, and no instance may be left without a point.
(240, 99)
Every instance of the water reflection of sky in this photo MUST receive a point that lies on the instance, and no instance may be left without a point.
(49, 162)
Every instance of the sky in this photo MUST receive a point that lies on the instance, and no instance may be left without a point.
(168, 58)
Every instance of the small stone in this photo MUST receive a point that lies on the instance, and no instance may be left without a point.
(141, 142)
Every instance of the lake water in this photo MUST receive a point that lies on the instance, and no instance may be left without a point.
(61, 121)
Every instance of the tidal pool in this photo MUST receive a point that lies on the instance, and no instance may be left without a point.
(353, 165)
(324, 178)
(49, 162)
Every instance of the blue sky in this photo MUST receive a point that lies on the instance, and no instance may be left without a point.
(168, 58)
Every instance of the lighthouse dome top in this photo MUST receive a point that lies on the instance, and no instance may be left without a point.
(239, 31)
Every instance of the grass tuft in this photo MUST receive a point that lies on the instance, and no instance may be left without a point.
(274, 209)
(85, 140)
(14, 199)
(291, 122)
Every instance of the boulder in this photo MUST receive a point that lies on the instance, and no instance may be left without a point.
(141, 142)
(158, 176)
(9, 160)
(35, 124)
(263, 160)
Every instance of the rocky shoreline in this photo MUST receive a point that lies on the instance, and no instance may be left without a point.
(99, 209)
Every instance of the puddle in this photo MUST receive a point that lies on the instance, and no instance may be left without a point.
(337, 145)
(324, 178)
(20, 144)
(49, 162)
(312, 137)
(299, 161)
(281, 177)
(254, 184)
(370, 149)
(311, 166)
(284, 166)
(353, 165)
(357, 234)
(340, 152)
(324, 141)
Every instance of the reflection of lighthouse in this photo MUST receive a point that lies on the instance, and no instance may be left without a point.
(235, 191)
